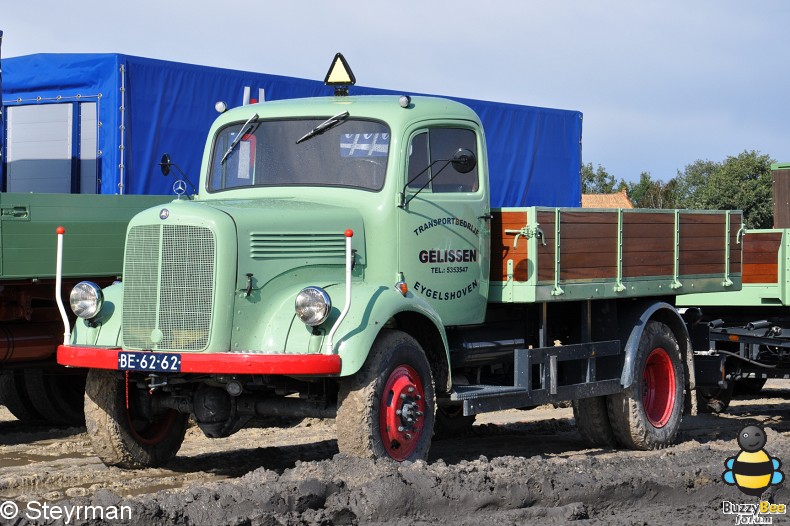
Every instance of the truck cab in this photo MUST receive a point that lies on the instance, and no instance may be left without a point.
(250, 281)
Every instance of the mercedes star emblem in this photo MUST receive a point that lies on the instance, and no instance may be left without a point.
(179, 187)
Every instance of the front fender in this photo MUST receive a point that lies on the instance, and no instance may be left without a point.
(372, 308)
(105, 329)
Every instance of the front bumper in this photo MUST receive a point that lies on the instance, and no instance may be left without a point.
(214, 363)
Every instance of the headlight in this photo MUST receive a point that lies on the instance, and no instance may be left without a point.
(86, 299)
(313, 305)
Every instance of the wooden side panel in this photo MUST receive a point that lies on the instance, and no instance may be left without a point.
(702, 243)
(588, 246)
(589, 240)
(648, 244)
(781, 192)
(502, 246)
(760, 257)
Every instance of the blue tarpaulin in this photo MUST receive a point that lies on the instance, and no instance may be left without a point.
(147, 107)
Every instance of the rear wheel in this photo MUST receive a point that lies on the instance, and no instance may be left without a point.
(647, 415)
(125, 429)
(592, 421)
(13, 395)
(387, 408)
(57, 395)
(451, 422)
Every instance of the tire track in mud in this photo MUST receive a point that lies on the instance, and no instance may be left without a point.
(512, 468)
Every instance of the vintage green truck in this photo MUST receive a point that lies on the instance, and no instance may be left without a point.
(32, 386)
(341, 259)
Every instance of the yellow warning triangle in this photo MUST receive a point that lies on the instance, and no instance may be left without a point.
(339, 73)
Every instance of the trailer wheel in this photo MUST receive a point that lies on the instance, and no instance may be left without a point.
(14, 396)
(647, 415)
(451, 422)
(129, 438)
(592, 421)
(57, 395)
(387, 408)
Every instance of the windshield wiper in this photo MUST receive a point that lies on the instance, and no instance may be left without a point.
(324, 126)
(242, 133)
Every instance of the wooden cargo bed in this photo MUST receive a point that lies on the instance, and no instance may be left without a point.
(765, 274)
(555, 254)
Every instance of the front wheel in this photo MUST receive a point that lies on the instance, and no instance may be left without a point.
(387, 408)
(124, 428)
(647, 415)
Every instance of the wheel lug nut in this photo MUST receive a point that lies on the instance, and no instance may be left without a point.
(403, 397)
(400, 429)
(419, 397)
(398, 412)
(411, 389)
(408, 436)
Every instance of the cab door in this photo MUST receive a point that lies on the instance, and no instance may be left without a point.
(444, 223)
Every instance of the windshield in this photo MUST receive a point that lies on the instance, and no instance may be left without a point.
(352, 153)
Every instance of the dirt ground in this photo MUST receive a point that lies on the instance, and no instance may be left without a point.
(516, 467)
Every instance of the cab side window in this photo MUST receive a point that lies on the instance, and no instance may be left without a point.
(440, 144)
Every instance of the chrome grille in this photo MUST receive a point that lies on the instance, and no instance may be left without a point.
(168, 287)
(310, 246)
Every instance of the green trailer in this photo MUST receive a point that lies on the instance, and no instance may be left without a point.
(742, 338)
(32, 386)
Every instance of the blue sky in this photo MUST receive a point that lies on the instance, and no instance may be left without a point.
(661, 83)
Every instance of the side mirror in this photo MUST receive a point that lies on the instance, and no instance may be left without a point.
(164, 164)
(464, 160)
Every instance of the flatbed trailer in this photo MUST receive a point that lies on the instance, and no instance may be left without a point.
(741, 337)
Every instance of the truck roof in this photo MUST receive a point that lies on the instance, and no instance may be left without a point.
(381, 107)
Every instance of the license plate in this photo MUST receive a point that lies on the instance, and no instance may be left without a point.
(146, 361)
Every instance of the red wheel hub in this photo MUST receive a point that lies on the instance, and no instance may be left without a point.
(658, 387)
(401, 412)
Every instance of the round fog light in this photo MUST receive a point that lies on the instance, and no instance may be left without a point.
(313, 306)
(86, 299)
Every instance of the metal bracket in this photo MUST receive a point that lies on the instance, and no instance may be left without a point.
(527, 232)
(727, 282)
(618, 286)
(676, 284)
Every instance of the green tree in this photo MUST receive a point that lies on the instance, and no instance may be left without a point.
(742, 182)
(647, 193)
(597, 180)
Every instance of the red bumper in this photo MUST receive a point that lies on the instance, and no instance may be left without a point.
(217, 363)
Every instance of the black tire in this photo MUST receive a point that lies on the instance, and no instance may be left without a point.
(57, 395)
(592, 421)
(126, 438)
(647, 415)
(451, 422)
(387, 408)
(749, 386)
(714, 399)
(13, 395)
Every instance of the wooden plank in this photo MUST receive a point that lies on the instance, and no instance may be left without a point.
(502, 246)
(661, 218)
(760, 273)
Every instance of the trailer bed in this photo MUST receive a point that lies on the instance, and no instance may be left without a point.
(541, 254)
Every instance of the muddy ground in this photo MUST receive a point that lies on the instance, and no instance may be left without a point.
(516, 467)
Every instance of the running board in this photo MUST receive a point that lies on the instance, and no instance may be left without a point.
(484, 398)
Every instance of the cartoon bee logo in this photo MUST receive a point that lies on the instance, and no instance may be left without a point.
(753, 469)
